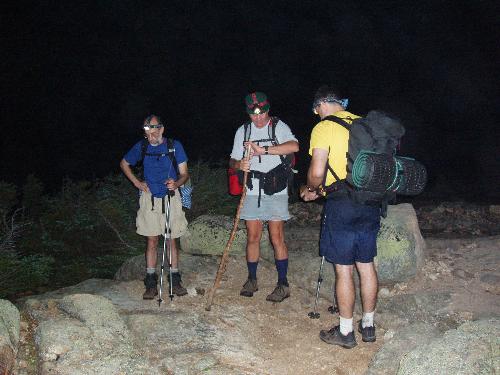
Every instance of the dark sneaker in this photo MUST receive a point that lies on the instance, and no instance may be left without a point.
(367, 333)
(150, 293)
(177, 287)
(334, 337)
(279, 293)
(249, 288)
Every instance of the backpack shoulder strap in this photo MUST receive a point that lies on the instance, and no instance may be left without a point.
(338, 120)
(170, 145)
(171, 152)
(144, 147)
(272, 136)
(274, 124)
(247, 129)
(347, 126)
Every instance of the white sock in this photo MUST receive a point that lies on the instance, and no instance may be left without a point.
(174, 270)
(367, 320)
(345, 326)
(150, 270)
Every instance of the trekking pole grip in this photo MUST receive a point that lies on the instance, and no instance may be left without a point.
(225, 254)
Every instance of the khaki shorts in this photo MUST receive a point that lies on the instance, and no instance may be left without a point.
(152, 222)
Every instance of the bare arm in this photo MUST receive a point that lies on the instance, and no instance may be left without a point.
(281, 149)
(315, 174)
(127, 171)
(243, 164)
(182, 177)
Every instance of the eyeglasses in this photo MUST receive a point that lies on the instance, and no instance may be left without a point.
(149, 127)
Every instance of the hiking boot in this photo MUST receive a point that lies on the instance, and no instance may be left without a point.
(150, 282)
(367, 333)
(177, 287)
(279, 293)
(334, 337)
(249, 288)
(150, 293)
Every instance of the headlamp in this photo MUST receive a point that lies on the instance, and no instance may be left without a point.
(329, 99)
(149, 127)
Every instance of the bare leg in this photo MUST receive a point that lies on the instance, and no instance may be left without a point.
(344, 286)
(254, 234)
(369, 285)
(277, 235)
(175, 253)
(151, 251)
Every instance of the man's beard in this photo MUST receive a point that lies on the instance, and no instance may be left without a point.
(155, 141)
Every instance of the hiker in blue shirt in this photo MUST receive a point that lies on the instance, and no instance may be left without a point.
(160, 177)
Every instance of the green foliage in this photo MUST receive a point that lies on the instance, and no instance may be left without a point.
(8, 199)
(33, 200)
(86, 230)
(210, 193)
(17, 271)
(25, 273)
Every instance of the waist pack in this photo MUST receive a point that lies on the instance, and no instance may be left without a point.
(278, 178)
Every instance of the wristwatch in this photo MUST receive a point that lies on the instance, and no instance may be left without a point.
(266, 150)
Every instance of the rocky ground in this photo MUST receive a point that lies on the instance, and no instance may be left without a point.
(458, 284)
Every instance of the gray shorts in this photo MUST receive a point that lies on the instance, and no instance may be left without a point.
(272, 208)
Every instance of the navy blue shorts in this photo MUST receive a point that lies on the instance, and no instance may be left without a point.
(349, 232)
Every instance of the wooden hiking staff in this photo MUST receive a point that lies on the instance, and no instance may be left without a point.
(225, 254)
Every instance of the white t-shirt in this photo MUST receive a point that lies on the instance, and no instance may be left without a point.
(262, 163)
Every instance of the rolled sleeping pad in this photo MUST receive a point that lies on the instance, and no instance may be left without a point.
(374, 172)
(412, 176)
(381, 172)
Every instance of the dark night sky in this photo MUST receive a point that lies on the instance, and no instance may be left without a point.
(78, 77)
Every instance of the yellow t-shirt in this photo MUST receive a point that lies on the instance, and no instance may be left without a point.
(333, 137)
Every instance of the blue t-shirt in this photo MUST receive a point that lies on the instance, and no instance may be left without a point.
(158, 167)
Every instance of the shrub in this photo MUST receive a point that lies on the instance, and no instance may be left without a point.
(86, 230)
(210, 193)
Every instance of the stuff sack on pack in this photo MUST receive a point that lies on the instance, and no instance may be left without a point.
(186, 192)
(235, 184)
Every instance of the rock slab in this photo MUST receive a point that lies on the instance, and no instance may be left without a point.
(9, 335)
(208, 235)
(472, 348)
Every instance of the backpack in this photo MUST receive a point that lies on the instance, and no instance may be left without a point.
(276, 179)
(377, 135)
(185, 190)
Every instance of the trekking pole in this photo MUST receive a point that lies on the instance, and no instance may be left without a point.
(169, 231)
(225, 254)
(314, 314)
(334, 309)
